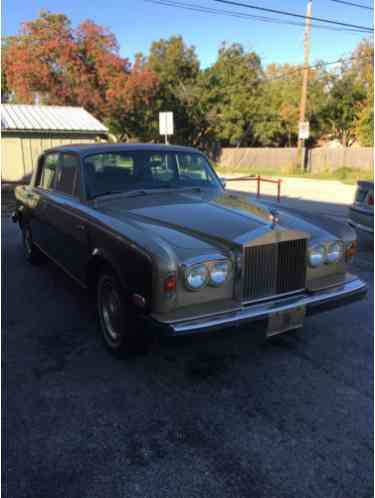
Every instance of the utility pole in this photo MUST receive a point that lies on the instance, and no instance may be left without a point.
(301, 151)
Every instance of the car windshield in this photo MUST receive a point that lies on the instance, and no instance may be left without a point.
(123, 171)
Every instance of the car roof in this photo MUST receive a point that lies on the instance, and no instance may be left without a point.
(87, 149)
(365, 184)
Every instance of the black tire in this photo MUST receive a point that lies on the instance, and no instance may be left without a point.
(119, 324)
(31, 252)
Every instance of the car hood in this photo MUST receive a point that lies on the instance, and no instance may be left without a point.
(200, 220)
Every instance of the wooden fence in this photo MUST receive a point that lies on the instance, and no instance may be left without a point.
(282, 159)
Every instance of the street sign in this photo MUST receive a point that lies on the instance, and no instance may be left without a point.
(166, 123)
(304, 130)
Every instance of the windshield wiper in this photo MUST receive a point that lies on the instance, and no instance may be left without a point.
(136, 193)
(131, 193)
(140, 192)
(108, 192)
(193, 188)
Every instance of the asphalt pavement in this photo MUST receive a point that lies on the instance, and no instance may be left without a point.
(209, 416)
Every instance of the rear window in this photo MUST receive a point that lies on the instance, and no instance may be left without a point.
(360, 195)
(102, 162)
(48, 171)
(67, 174)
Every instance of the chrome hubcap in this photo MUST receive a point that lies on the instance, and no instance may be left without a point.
(110, 307)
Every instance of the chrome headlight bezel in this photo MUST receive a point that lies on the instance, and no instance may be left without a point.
(317, 255)
(331, 252)
(207, 269)
(214, 267)
(335, 252)
(189, 274)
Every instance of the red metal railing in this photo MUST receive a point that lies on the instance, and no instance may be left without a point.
(259, 179)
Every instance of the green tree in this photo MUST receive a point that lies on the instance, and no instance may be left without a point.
(230, 95)
(177, 67)
(365, 126)
(346, 96)
(278, 118)
(173, 61)
(363, 66)
(279, 106)
(349, 103)
(342, 107)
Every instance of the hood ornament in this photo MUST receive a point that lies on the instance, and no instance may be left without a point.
(274, 217)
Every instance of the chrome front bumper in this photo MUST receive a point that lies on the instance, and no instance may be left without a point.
(352, 290)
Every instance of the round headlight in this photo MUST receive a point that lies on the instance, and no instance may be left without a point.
(335, 252)
(317, 256)
(196, 277)
(219, 273)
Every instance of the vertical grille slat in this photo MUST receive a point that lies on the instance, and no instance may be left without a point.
(274, 269)
(291, 273)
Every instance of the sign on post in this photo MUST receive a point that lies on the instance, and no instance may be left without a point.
(304, 130)
(166, 124)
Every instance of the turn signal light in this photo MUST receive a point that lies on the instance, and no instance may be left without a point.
(170, 283)
(351, 251)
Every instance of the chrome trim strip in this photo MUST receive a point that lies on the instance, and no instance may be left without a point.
(275, 296)
(362, 210)
(359, 226)
(263, 310)
(205, 258)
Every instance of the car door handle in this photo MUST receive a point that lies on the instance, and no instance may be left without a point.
(80, 227)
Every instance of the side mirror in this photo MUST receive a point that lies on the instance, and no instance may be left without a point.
(223, 182)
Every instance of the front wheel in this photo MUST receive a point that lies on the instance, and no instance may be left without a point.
(119, 324)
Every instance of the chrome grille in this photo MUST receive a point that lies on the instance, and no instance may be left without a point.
(274, 269)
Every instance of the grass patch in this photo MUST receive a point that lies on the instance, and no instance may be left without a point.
(345, 175)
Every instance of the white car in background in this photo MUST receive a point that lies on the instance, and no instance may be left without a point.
(361, 212)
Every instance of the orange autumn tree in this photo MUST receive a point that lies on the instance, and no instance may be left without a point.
(50, 62)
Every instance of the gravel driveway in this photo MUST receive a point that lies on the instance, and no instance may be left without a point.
(196, 417)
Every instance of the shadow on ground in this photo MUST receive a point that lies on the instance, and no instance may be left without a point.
(218, 415)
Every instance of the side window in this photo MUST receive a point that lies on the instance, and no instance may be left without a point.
(67, 174)
(161, 167)
(48, 172)
(193, 166)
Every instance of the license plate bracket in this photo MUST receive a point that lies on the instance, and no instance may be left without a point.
(282, 321)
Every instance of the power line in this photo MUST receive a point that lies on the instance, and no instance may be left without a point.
(187, 6)
(242, 15)
(353, 4)
(293, 14)
(318, 65)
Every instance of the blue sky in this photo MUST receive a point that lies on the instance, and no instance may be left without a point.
(137, 23)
